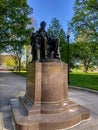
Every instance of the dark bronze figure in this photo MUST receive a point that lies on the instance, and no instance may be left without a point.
(44, 46)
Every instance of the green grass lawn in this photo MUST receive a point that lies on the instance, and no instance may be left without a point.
(89, 80)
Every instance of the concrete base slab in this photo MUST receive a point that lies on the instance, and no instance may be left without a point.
(71, 115)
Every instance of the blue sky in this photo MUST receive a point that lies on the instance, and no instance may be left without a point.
(48, 9)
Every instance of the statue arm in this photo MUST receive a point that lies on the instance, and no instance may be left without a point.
(32, 38)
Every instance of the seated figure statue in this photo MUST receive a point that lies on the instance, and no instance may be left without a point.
(44, 46)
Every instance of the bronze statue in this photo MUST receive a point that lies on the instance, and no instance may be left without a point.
(43, 45)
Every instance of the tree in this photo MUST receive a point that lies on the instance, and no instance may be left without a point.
(14, 16)
(9, 61)
(3, 24)
(85, 19)
(56, 31)
(85, 27)
(27, 53)
(15, 33)
(84, 52)
(54, 28)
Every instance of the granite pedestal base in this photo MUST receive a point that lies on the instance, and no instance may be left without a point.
(46, 105)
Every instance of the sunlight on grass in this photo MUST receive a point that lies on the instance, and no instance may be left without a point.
(89, 80)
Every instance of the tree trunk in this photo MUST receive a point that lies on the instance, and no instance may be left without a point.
(85, 68)
(19, 64)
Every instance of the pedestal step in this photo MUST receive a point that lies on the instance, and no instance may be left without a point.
(46, 108)
(73, 115)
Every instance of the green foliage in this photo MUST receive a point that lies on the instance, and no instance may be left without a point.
(64, 52)
(85, 19)
(54, 28)
(56, 31)
(85, 53)
(14, 27)
(9, 61)
(13, 23)
(89, 80)
(63, 42)
(85, 27)
(73, 56)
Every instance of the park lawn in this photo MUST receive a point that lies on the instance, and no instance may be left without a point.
(89, 80)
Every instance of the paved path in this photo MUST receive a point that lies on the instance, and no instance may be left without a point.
(90, 101)
(13, 86)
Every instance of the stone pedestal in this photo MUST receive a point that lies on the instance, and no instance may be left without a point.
(46, 105)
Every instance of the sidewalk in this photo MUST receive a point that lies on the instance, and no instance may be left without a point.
(13, 86)
(90, 101)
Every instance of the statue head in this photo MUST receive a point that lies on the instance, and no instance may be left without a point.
(43, 24)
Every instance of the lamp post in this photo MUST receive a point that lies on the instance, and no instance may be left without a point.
(68, 53)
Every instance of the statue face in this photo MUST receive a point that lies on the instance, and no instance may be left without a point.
(43, 27)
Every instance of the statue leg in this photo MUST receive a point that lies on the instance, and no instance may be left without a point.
(34, 54)
(44, 48)
(50, 50)
(45, 43)
(56, 49)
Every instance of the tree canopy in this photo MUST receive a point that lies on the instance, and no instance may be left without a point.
(84, 24)
(14, 27)
(55, 30)
(85, 19)
(14, 19)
